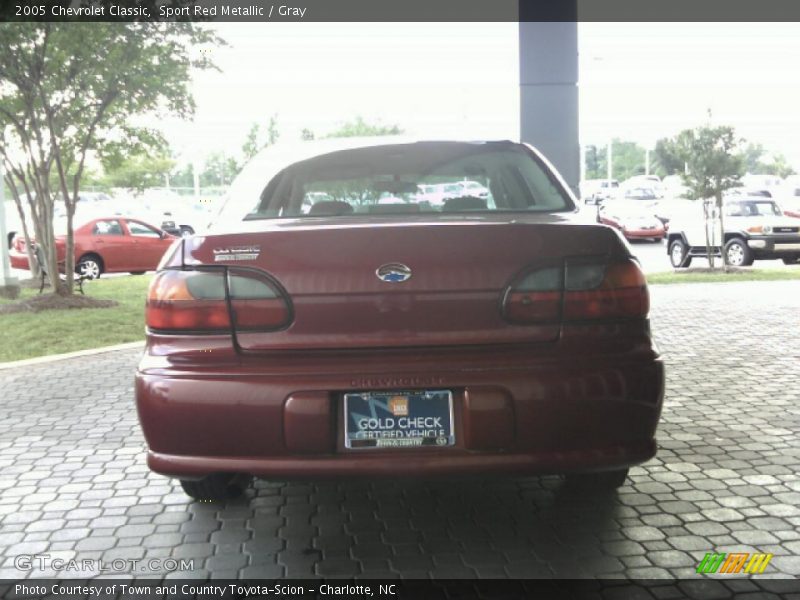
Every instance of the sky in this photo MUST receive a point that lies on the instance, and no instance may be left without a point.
(637, 81)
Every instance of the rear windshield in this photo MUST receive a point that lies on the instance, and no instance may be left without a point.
(431, 178)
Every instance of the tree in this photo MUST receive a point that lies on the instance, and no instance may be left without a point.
(360, 128)
(715, 163)
(182, 176)
(139, 171)
(753, 155)
(593, 162)
(779, 166)
(60, 103)
(667, 159)
(219, 169)
(256, 140)
(628, 159)
(251, 146)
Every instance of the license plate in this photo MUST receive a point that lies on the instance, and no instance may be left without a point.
(398, 419)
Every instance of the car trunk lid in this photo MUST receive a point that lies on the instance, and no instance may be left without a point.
(458, 269)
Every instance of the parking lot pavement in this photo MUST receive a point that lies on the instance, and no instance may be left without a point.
(73, 481)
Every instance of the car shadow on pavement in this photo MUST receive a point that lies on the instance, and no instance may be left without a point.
(532, 527)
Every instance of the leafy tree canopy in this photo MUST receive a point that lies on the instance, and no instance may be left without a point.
(68, 90)
(138, 172)
(713, 155)
(628, 158)
(358, 127)
(258, 138)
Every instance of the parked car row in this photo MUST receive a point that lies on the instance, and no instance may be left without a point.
(437, 194)
(593, 191)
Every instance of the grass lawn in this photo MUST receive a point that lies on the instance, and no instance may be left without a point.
(29, 334)
(704, 276)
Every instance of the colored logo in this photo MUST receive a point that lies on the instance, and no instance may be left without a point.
(393, 273)
(735, 562)
(398, 406)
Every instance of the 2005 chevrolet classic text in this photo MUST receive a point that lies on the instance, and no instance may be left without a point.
(335, 323)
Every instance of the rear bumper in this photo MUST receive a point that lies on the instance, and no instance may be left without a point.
(644, 233)
(406, 464)
(513, 414)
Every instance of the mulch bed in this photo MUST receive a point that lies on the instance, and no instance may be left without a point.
(55, 302)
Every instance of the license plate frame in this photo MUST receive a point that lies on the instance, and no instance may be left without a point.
(410, 405)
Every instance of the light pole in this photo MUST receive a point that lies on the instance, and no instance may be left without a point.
(9, 288)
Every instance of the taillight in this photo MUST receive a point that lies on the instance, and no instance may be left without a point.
(616, 290)
(578, 291)
(536, 297)
(196, 301)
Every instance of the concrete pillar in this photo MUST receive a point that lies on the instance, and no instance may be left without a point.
(548, 65)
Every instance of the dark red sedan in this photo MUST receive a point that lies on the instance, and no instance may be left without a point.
(107, 245)
(335, 324)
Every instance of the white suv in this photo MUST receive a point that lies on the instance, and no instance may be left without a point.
(755, 228)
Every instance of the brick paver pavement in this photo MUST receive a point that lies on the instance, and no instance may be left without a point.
(74, 484)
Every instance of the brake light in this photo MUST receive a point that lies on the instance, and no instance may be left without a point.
(617, 290)
(578, 291)
(196, 301)
(536, 297)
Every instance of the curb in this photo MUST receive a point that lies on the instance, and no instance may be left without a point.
(39, 360)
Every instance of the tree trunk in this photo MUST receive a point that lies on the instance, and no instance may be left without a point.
(36, 271)
(709, 252)
(45, 232)
(69, 259)
(722, 233)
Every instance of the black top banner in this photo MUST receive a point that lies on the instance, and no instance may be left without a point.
(400, 10)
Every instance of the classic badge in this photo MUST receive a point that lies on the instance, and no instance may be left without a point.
(236, 253)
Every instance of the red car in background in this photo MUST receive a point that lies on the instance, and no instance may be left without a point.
(106, 245)
(634, 221)
(319, 332)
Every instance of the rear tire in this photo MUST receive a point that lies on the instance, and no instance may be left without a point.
(679, 254)
(791, 261)
(216, 487)
(599, 480)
